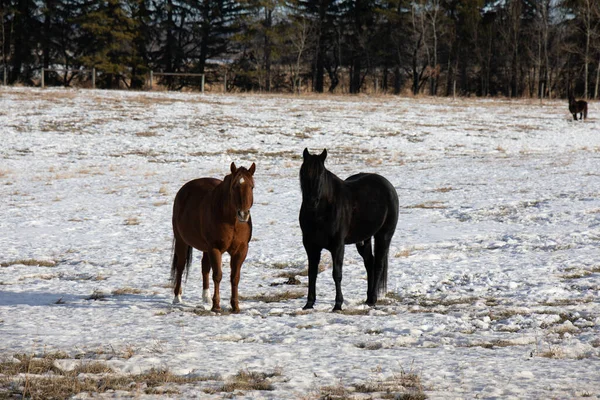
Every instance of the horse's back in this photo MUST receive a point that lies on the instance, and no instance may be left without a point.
(195, 190)
(375, 206)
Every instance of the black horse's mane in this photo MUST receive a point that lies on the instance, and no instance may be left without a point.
(317, 186)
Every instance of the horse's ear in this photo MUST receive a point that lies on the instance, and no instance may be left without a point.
(252, 169)
(323, 155)
(233, 168)
(306, 153)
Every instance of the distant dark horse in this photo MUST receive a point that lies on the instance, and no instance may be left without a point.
(213, 216)
(578, 107)
(335, 213)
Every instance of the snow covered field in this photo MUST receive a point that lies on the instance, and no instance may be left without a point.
(494, 277)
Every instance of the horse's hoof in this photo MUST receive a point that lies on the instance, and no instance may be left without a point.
(216, 310)
(337, 308)
(235, 310)
(177, 299)
(308, 306)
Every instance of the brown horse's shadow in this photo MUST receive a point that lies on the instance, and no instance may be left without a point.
(37, 298)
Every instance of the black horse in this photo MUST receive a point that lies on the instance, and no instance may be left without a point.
(578, 107)
(335, 213)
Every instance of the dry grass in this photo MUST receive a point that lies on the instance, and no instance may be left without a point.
(354, 311)
(126, 291)
(29, 263)
(249, 380)
(553, 352)
(274, 297)
(132, 221)
(402, 253)
(429, 205)
(97, 295)
(337, 392)
(403, 385)
(369, 346)
(40, 378)
(146, 134)
(498, 343)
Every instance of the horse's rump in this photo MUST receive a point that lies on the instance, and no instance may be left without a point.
(374, 206)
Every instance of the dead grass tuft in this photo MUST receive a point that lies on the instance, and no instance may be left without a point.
(132, 221)
(355, 311)
(402, 253)
(97, 295)
(125, 291)
(553, 352)
(249, 380)
(369, 346)
(146, 134)
(403, 385)
(43, 380)
(429, 205)
(337, 392)
(29, 263)
(274, 297)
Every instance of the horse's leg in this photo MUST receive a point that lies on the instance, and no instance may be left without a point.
(205, 278)
(575, 116)
(337, 254)
(180, 259)
(314, 257)
(236, 266)
(365, 250)
(382, 248)
(214, 256)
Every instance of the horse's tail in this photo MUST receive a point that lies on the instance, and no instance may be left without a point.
(382, 285)
(175, 259)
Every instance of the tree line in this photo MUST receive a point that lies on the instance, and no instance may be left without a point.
(514, 48)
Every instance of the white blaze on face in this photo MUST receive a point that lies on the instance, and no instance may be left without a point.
(242, 180)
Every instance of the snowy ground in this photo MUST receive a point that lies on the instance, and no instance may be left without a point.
(494, 285)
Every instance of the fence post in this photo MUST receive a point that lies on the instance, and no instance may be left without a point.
(94, 78)
(151, 78)
(43, 73)
(202, 85)
(542, 94)
(5, 70)
(454, 90)
(225, 83)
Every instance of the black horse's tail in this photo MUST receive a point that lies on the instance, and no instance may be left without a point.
(382, 286)
(174, 262)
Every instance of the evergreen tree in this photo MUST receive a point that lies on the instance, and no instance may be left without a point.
(108, 40)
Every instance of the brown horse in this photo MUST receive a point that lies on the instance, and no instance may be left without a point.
(213, 216)
(578, 107)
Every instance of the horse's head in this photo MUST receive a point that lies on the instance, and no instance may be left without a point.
(312, 175)
(241, 187)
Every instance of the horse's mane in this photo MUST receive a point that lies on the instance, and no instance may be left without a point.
(316, 188)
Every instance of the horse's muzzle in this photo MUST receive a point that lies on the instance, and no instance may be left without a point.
(243, 216)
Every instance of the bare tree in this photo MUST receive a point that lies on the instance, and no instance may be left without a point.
(301, 34)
